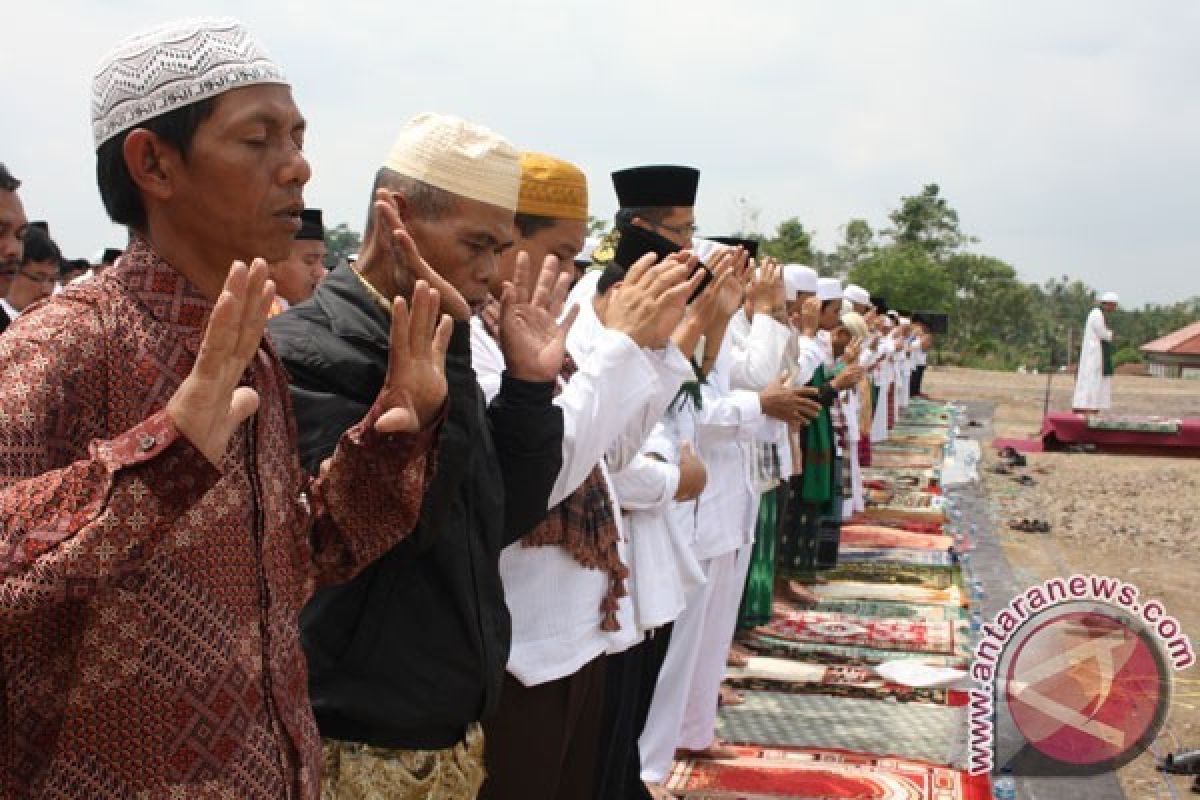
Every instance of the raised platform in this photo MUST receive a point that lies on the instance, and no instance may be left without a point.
(1146, 436)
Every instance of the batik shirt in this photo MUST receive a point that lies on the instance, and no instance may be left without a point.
(149, 599)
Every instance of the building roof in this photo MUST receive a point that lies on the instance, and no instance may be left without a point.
(1183, 342)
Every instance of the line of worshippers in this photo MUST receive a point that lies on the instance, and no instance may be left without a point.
(446, 528)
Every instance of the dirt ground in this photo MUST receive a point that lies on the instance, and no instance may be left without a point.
(1132, 518)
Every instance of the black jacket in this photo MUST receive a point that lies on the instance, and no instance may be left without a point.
(414, 649)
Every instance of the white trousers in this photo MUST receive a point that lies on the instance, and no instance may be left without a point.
(683, 712)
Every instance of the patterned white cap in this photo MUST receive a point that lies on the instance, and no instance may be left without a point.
(829, 289)
(172, 66)
(857, 294)
(798, 278)
(459, 157)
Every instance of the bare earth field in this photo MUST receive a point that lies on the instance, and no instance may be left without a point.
(1128, 517)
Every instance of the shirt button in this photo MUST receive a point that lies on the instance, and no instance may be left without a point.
(146, 442)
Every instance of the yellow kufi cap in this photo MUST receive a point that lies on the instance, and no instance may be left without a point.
(551, 187)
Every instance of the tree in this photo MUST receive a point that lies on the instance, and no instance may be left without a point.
(908, 277)
(341, 242)
(857, 243)
(927, 221)
(792, 244)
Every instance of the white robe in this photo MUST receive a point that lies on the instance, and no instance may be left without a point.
(1093, 389)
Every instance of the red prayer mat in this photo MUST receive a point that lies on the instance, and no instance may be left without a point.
(884, 536)
(911, 635)
(773, 773)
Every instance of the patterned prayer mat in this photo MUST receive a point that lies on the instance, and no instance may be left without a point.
(776, 647)
(773, 773)
(902, 460)
(852, 590)
(882, 536)
(883, 633)
(923, 575)
(1133, 423)
(796, 677)
(891, 609)
(894, 555)
(922, 731)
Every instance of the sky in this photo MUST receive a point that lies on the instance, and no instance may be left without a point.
(1066, 134)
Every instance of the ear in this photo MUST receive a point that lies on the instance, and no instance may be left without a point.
(152, 164)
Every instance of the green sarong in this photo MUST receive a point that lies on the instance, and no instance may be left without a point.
(1106, 351)
(760, 579)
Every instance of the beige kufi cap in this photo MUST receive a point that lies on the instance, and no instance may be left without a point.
(459, 157)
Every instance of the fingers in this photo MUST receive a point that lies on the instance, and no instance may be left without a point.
(640, 267)
(564, 327)
(562, 288)
(523, 279)
(221, 335)
(242, 405)
(398, 419)
(441, 339)
(399, 343)
(256, 306)
(667, 276)
(681, 292)
(423, 318)
(547, 281)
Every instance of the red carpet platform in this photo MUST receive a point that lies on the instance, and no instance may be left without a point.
(1128, 435)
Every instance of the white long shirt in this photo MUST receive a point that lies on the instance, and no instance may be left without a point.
(1093, 390)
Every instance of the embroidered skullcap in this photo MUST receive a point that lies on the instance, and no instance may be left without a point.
(551, 187)
(1110, 297)
(829, 289)
(854, 323)
(459, 157)
(858, 295)
(172, 66)
(799, 278)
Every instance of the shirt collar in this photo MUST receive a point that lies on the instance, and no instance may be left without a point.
(165, 292)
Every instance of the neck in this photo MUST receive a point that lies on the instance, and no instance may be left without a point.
(206, 269)
(376, 269)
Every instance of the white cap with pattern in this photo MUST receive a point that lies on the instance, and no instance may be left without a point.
(173, 66)
(459, 157)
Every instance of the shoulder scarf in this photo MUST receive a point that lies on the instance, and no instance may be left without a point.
(816, 482)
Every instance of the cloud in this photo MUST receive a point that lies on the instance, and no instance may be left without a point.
(1064, 135)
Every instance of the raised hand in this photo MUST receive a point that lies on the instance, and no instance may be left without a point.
(703, 313)
(766, 291)
(414, 390)
(848, 378)
(810, 316)
(209, 405)
(732, 292)
(796, 406)
(393, 237)
(648, 304)
(853, 350)
(534, 342)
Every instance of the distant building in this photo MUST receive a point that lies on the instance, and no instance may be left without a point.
(1176, 355)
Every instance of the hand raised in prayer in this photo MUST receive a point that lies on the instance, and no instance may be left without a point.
(848, 378)
(693, 476)
(534, 342)
(393, 237)
(704, 311)
(853, 350)
(209, 405)
(765, 290)
(649, 302)
(414, 390)
(796, 406)
(810, 316)
(733, 292)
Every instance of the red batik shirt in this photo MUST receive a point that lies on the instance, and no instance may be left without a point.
(149, 644)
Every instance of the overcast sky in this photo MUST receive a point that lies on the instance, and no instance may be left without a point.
(1066, 134)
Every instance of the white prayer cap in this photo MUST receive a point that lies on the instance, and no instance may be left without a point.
(459, 157)
(905, 321)
(829, 289)
(798, 278)
(173, 66)
(888, 322)
(1110, 297)
(857, 294)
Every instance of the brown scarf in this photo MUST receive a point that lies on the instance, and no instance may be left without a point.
(583, 524)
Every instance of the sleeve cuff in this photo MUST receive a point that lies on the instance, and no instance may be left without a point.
(518, 392)
(182, 474)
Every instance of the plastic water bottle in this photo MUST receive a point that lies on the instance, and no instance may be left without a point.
(1005, 787)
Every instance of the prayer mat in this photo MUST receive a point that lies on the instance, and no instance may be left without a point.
(881, 536)
(882, 633)
(854, 590)
(774, 773)
(775, 647)
(903, 460)
(923, 575)
(1135, 423)
(892, 609)
(895, 555)
(936, 734)
(795, 677)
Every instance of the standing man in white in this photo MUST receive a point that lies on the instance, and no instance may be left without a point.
(1093, 382)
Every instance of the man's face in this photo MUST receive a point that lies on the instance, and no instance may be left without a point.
(464, 245)
(831, 314)
(1108, 307)
(297, 276)
(679, 225)
(12, 243)
(794, 307)
(840, 340)
(239, 193)
(563, 240)
(34, 280)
